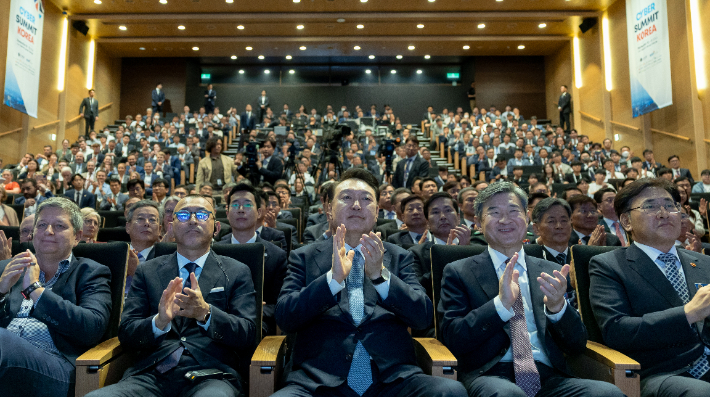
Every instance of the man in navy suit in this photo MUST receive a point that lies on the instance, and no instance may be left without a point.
(412, 208)
(243, 210)
(63, 293)
(247, 120)
(410, 167)
(352, 337)
(674, 165)
(157, 98)
(510, 333)
(192, 310)
(270, 167)
(651, 298)
(79, 195)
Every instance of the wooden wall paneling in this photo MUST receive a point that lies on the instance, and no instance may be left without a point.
(139, 78)
(558, 71)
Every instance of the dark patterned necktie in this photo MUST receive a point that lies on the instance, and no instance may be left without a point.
(561, 258)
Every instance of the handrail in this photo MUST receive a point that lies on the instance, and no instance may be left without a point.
(631, 127)
(11, 131)
(587, 115)
(79, 116)
(45, 125)
(685, 138)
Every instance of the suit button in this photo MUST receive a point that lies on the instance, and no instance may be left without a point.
(503, 351)
(485, 326)
(359, 329)
(183, 339)
(348, 357)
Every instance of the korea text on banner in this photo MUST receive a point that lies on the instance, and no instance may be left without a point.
(24, 54)
(649, 55)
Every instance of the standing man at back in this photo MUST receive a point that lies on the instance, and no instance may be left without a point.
(158, 97)
(564, 106)
(89, 110)
(411, 167)
(263, 103)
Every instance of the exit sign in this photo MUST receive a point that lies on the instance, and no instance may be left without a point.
(205, 76)
(452, 75)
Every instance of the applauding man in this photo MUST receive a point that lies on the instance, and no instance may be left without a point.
(187, 311)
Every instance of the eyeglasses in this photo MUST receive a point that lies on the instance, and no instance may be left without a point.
(655, 208)
(185, 215)
(141, 220)
(246, 206)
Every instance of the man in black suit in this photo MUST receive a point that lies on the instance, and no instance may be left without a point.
(650, 162)
(89, 110)
(270, 167)
(509, 333)
(157, 98)
(651, 298)
(586, 229)
(674, 165)
(78, 194)
(412, 208)
(551, 221)
(243, 210)
(38, 354)
(247, 120)
(263, 103)
(395, 199)
(144, 221)
(210, 98)
(364, 320)
(321, 231)
(411, 167)
(564, 107)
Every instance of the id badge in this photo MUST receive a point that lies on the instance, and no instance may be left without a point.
(219, 182)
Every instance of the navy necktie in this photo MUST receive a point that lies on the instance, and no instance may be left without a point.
(190, 267)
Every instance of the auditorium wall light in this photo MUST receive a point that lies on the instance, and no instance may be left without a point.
(90, 66)
(607, 53)
(698, 48)
(62, 55)
(577, 63)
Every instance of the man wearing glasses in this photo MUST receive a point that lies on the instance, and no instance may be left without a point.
(191, 310)
(651, 299)
(143, 224)
(410, 167)
(243, 211)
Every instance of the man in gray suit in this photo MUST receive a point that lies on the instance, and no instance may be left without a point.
(115, 200)
(89, 110)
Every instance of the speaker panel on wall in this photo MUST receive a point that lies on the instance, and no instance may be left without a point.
(587, 23)
(81, 27)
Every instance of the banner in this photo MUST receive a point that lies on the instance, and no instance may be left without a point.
(649, 55)
(24, 55)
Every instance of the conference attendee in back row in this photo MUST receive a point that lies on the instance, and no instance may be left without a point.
(410, 167)
(351, 337)
(586, 229)
(78, 194)
(510, 333)
(651, 299)
(143, 225)
(191, 310)
(412, 208)
(395, 199)
(42, 296)
(215, 168)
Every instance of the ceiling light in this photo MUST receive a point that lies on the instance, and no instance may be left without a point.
(363, 1)
(234, 57)
(249, 48)
(420, 26)
(163, 1)
(291, 71)
(371, 57)
(419, 71)
(142, 48)
(368, 71)
(181, 27)
(356, 48)
(500, 1)
(299, 27)
(97, 1)
(289, 57)
(261, 57)
(241, 71)
(230, 1)
(521, 47)
(240, 27)
(427, 56)
(122, 27)
(431, 1)
(399, 57)
(410, 48)
(393, 71)
(267, 71)
(340, 20)
(542, 25)
(195, 48)
(481, 25)
(296, 1)
(361, 26)
(302, 48)
(466, 47)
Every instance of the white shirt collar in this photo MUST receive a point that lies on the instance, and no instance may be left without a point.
(145, 252)
(653, 253)
(499, 259)
(182, 261)
(251, 240)
(555, 252)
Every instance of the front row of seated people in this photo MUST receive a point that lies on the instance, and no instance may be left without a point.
(348, 301)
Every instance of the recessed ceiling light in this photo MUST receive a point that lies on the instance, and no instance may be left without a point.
(481, 25)
(299, 27)
(234, 57)
(393, 71)
(399, 57)
(431, 1)
(267, 71)
(249, 48)
(363, 1)
(296, 1)
(142, 48)
(289, 57)
(521, 47)
(163, 1)
(500, 1)
(122, 27)
(240, 27)
(261, 57)
(410, 48)
(241, 71)
(181, 27)
(340, 20)
(195, 48)
(368, 71)
(371, 57)
(291, 71)
(542, 25)
(356, 48)
(97, 1)
(302, 48)
(230, 1)
(427, 56)
(361, 26)
(419, 71)
(466, 47)
(420, 26)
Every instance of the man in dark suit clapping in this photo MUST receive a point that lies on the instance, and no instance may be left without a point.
(191, 310)
(364, 319)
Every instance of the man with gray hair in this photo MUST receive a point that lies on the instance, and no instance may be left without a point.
(509, 332)
(551, 220)
(144, 221)
(42, 296)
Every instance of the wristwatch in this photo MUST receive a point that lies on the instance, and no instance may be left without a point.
(27, 291)
(207, 316)
(384, 276)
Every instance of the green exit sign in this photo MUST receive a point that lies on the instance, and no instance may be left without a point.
(452, 75)
(205, 76)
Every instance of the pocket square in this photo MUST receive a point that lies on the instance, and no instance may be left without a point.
(217, 289)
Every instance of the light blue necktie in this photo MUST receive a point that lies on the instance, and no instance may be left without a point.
(360, 374)
(390, 215)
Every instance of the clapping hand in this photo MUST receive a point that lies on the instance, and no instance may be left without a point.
(598, 236)
(342, 261)
(372, 251)
(554, 287)
(461, 232)
(508, 288)
(191, 302)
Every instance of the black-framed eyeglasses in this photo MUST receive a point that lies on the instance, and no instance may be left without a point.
(655, 208)
(185, 215)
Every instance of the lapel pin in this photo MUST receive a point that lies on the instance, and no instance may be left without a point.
(693, 264)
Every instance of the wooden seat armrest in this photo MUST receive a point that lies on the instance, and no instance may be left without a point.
(599, 362)
(434, 358)
(266, 366)
(101, 353)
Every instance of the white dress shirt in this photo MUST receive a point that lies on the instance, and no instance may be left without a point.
(383, 289)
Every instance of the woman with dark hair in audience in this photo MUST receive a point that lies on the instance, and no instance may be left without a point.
(559, 144)
(299, 190)
(550, 176)
(32, 169)
(699, 227)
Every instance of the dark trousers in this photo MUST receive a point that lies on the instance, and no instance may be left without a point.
(500, 381)
(89, 124)
(171, 383)
(564, 121)
(158, 109)
(675, 385)
(26, 370)
(209, 107)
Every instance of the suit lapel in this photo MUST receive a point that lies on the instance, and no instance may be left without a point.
(167, 271)
(646, 268)
(482, 268)
(210, 274)
(693, 273)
